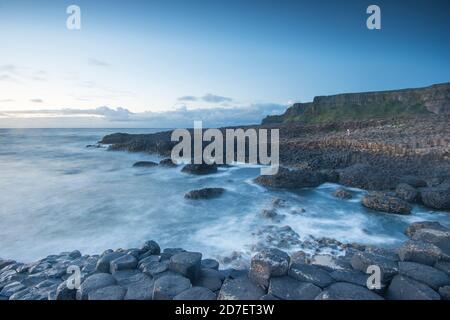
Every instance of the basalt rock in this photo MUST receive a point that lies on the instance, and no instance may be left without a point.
(406, 192)
(266, 264)
(240, 289)
(436, 197)
(382, 202)
(205, 193)
(145, 164)
(292, 179)
(200, 169)
(347, 291)
(287, 288)
(405, 288)
(420, 252)
(342, 194)
(366, 177)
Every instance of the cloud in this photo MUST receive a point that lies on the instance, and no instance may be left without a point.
(215, 98)
(98, 63)
(7, 78)
(7, 100)
(188, 98)
(36, 100)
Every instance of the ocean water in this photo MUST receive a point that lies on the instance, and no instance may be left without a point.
(57, 195)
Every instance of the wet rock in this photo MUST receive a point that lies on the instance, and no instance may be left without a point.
(103, 264)
(268, 297)
(382, 202)
(347, 291)
(390, 254)
(205, 193)
(200, 169)
(443, 266)
(269, 213)
(209, 278)
(145, 164)
(428, 275)
(140, 290)
(299, 257)
(268, 263)
(329, 263)
(186, 263)
(413, 181)
(420, 252)
(167, 163)
(107, 293)
(413, 227)
(154, 268)
(123, 263)
(436, 197)
(439, 238)
(167, 287)
(366, 177)
(292, 179)
(210, 264)
(169, 252)
(342, 194)
(125, 277)
(196, 293)
(151, 248)
(94, 282)
(5, 263)
(406, 192)
(11, 289)
(310, 273)
(362, 260)
(351, 276)
(278, 203)
(445, 293)
(64, 293)
(405, 288)
(240, 289)
(287, 288)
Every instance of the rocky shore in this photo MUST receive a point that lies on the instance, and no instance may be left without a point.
(417, 269)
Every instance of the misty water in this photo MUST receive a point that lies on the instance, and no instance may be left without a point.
(57, 195)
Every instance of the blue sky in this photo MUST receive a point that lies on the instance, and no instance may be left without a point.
(176, 55)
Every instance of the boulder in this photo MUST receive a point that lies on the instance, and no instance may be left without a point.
(64, 293)
(292, 179)
(420, 252)
(268, 263)
(94, 282)
(430, 276)
(413, 181)
(443, 266)
(167, 287)
(205, 193)
(167, 163)
(436, 197)
(209, 278)
(310, 273)
(439, 238)
(347, 291)
(413, 227)
(169, 252)
(240, 289)
(107, 293)
(382, 202)
(445, 292)
(11, 288)
(287, 288)
(5, 263)
(155, 267)
(196, 293)
(405, 288)
(124, 262)
(366, 177)
(362, 260)
(138, 287)
(341, 193)
(210, 264)
(186, 263)
(200, 169)
(351, 276)
(103, 264)
(151, 248)
(269, 213)
(145, 164)
(406, 192)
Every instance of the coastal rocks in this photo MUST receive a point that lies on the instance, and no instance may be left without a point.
(269, 213)
(382, 202)
(240, 289)
(205, 193)
(200, 169)
(151, 248)
(292, 179)
(366, 177)
(405, 288)
(310, 273)
(64, 293)
(342, 194)
(413, 227)
(445, 292)
(167, 287)
(413, 181)
(406, 192)
(187, 264)
(123, 263)
(210, 278)
(145, 164)
(287, 288)
(420, 252)
(362, 260)
(104, 263)
(347, 291)
(107, 293)
(94, 282)
(266, 264)
(196, 293)
(439, 238)
(210, 264)
(436, 197)
(350, 276)
(167, 163)
(428, 275)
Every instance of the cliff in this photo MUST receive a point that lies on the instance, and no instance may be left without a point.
(368, 105)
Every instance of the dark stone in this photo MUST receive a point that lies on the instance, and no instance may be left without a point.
(366, 177)
(413, 227)
(443, 266)
(94, 282)
(11, 288)
(151, 248)
(347, 291)
(428, 275)
(169, 252)
(445, 292)
(292, 179)
(186, 263)
(268, 263)
(104, 263)
(167, 287)
(125, 277)
(200, 169)
(196, 293)
(64, 293)
(155, 267)
(342, 194)
(145, 164)
(140, 290)
(406, 192)
(405, 288)
(287, 288)
(362, 260)
(107, 293)
(420, 252)
(240, 289)
(206, 193)
(5, 263)
(310, 273)
(436, 197)
(268, 297)
(351, 276)
(123, 263)
(440, 239)
(413, 181)
(382, 202)
(209, 278)
(167, 163)
(210, 264)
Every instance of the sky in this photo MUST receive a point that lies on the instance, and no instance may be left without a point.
(162, 63)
